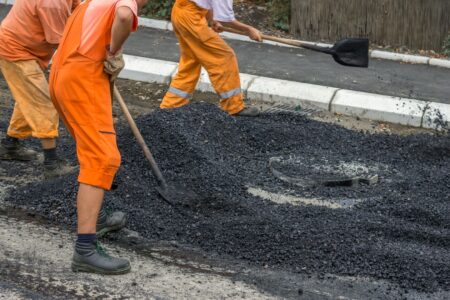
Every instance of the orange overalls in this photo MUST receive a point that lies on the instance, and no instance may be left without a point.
(80, 91)
(202, 46)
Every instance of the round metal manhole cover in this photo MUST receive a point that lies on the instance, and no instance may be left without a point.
(322, 172)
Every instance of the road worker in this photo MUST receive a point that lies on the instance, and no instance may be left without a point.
(29, 36)
(196, 24)
(87, 62)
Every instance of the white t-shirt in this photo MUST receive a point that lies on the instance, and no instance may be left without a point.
(223, 9)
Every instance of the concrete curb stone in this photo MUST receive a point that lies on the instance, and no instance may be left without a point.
(405, 111)
(379, 107)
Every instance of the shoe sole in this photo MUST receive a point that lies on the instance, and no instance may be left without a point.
(79, 267)
(8, 157)
(105, 230)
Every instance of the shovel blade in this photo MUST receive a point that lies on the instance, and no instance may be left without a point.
(353, 52)
(177, 195)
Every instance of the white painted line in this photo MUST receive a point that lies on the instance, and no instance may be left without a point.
(290, 92)
(437, 116)
(147, 69)
(379, 107)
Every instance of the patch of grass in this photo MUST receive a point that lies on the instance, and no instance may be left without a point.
(446, 46)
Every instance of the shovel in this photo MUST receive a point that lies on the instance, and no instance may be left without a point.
(352, 52)
(171, 193)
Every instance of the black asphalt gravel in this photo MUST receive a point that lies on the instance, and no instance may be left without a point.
(399, 230)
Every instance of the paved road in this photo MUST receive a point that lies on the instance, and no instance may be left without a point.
(383, 77)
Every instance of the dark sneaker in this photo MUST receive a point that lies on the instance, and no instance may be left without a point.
(94, 259)
(17, 152)
(58, 168)
(108, 222)
(249, 112)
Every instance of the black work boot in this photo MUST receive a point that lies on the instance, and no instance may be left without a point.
(251, 111)
(108, 222)
(12, 149)
(57, 168)
(92, 258)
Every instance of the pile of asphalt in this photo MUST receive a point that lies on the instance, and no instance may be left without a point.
(399, 231)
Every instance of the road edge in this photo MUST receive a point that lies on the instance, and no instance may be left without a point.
(383, 108)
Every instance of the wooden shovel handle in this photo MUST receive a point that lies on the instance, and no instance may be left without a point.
(269, 38)
(148, 154)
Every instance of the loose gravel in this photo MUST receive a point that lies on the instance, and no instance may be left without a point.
(399, 230)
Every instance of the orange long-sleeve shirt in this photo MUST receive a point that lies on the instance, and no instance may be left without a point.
(33, 29)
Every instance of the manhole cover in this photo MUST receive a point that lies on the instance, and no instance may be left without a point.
(321, 172)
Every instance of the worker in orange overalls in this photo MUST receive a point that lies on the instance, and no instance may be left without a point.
(29, 36)
(87, 62)
(201, 46)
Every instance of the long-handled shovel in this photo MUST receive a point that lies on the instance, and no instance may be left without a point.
(353, 52)
(171, 193)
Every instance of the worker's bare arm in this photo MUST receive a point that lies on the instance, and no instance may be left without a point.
(252, 32)
(121, 28)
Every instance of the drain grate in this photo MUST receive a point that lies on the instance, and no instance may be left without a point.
(309, 174)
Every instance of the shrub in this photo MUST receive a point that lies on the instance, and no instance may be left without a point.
(280, 11)
(446, 46)
(159, 9)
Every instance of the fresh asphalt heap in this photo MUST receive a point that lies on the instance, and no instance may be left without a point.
(398, 229)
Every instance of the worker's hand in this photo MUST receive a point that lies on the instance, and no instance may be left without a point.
(254, 34)
(217, 26)
(113, 64)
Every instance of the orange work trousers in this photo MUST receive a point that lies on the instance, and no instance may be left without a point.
(81, 93)
(34, 113)
(202, 46)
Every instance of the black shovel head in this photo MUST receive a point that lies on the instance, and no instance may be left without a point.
(177, 195)
(353, 52)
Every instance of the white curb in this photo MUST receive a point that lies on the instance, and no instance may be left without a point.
(290, 92)
(414, 59)
(379, 107)
(148, 70)
(405, 111)
(443, 63)
(377, 54)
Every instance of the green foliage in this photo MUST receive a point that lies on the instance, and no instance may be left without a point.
(446, 47)
(160, 9)
(280, 11)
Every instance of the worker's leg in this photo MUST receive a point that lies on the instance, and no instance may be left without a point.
(11, 148)
(183, 84)
(211, 52)
(91, 125)
(89, 202)
(34, 113)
